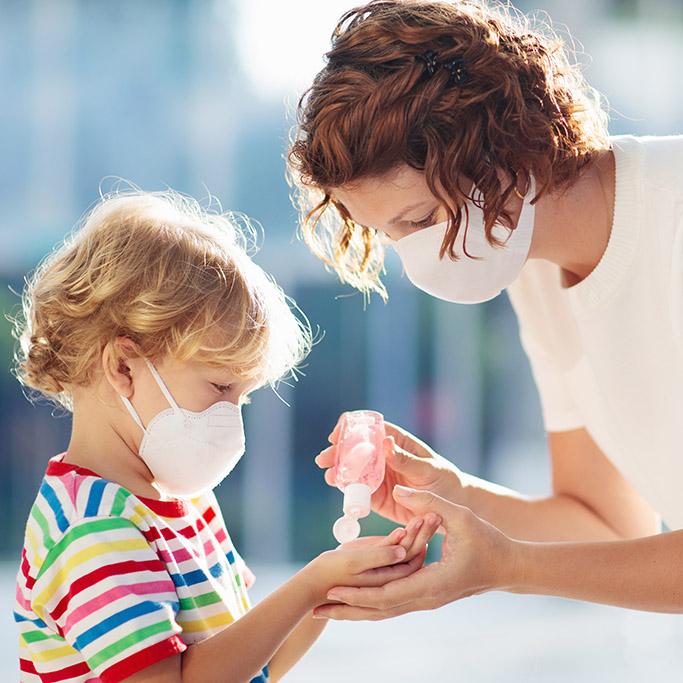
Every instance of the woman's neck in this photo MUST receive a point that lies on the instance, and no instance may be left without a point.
(573, 225)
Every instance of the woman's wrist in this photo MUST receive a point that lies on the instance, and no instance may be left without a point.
(463, 488)
(514, 567)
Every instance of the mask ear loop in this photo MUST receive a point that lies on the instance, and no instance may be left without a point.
(165, 391)
(162, 386)
(528, 209)
(132, 412)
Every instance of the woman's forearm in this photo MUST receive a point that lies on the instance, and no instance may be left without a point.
(590, 501)
(529, 518)
(643, 574)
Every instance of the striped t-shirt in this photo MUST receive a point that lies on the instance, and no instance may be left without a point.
(111, 583)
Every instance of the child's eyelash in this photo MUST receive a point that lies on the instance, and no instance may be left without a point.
(222, 387)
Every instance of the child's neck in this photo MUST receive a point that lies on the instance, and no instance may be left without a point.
(99, 444)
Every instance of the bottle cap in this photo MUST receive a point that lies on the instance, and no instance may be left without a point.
(357, 500)
(345, 529)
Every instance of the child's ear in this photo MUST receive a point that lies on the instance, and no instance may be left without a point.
(117, 358)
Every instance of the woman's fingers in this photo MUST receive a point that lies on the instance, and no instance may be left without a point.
(326, 458)
(406, 441)
(393, 595)
(341, 612)
(425, 502)
(404, 462)
(332, 438)
(329, 477)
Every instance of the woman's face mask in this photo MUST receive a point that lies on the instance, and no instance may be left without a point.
(467, 280)
(190, 453)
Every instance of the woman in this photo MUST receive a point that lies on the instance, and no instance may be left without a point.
(472, 145)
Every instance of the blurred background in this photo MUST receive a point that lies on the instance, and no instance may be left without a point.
(199, 96)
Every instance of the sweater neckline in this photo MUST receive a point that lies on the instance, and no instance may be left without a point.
(599, 285)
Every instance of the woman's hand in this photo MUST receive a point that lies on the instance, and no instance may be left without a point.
(411, 463)
(476, 558)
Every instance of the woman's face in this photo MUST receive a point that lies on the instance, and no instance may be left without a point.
(397, 203)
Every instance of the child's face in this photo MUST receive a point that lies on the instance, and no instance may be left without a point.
(194, 385)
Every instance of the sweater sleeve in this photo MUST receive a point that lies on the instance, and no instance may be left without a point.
(560, 412)
(550, 340)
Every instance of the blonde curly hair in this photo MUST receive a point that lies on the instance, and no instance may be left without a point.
(523, 109)
(173, 277)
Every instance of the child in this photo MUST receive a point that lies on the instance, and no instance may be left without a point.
(153, 325)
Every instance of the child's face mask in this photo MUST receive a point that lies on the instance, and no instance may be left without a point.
(467, 280)
(190, 453)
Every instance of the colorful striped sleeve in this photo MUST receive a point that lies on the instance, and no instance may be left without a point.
(107, 595)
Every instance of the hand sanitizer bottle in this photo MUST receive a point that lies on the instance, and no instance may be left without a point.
(359, 468)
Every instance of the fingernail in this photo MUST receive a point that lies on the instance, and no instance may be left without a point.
(402, 491)
(419, 523)
(400, 552)
(333, 598)
(319, 616)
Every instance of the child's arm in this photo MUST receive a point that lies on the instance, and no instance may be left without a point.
(413, 538)
(239, 652)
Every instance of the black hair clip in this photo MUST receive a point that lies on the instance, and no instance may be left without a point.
(458, 73)
(456, 67)
(431, 60)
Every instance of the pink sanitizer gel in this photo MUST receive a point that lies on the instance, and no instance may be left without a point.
(359, 468)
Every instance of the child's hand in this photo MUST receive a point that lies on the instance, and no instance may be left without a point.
(418, 533)
(370, 561)
(364, 562)
(414, 538)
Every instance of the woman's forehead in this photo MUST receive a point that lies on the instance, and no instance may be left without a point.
(385, 199)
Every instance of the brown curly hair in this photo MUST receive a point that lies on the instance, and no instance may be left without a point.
(166, 273)
(524, 109)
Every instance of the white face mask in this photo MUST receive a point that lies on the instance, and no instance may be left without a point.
(190, 453)
(468, 280)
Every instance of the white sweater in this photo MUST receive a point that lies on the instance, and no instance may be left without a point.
(607, 353)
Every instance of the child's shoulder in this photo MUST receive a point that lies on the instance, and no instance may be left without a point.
(74, 506)
(69, 494)
(75, 502)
